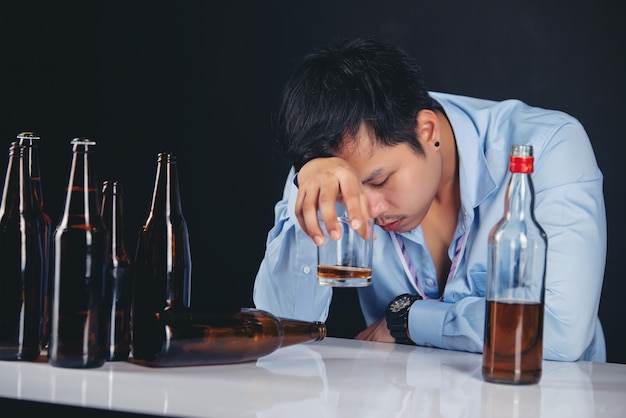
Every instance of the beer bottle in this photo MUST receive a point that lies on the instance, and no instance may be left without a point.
(30, 140)
(80, 246)
(513, 340)
(162, 263)
(21, 262)
(118, 277)
(190, 337)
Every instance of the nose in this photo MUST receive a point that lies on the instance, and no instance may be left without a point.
(377, 207)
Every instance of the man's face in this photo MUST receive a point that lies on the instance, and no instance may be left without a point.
(400, 184)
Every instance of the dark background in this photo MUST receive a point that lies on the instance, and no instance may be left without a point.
(202, 79)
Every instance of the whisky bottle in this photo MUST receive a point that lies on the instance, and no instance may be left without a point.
(513, 340)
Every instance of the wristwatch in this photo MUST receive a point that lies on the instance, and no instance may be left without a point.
(397, 314)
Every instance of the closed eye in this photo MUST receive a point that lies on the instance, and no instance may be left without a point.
(381, 184)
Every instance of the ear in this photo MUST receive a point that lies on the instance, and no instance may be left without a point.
(427, 127)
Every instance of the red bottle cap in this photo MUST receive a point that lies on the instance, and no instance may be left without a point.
(521, 164)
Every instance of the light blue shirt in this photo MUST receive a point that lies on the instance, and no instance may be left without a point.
(569, 205)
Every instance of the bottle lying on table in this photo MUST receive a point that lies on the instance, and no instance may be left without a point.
(188, 337)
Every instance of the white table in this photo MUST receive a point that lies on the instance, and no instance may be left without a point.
(331, 378)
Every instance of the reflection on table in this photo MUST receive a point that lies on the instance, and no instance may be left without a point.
(331, 378)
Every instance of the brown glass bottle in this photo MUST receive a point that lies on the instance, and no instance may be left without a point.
(21, 262)
(162, 263)
(117, 284)
(80, 247)
(188, 337)
(30, 141)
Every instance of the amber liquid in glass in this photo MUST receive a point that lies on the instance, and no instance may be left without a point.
(343, 272)
(513, 342)
(345, 276)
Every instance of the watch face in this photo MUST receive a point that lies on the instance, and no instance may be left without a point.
(396, 315)
(400, 304)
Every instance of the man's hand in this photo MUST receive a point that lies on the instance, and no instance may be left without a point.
(321, 183)
(378, 331)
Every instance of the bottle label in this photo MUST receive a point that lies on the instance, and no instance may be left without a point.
(521, 164)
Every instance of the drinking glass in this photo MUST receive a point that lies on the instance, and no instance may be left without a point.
(347, 261)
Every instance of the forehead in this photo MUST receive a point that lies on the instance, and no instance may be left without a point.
(370, 158)
(359, 146)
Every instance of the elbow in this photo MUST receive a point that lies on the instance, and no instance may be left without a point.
(566, 343)
(562, 353)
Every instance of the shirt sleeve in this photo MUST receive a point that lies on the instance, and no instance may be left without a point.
(286, 282)
(570, 207)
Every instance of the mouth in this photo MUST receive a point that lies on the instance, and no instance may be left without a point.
(391, 226)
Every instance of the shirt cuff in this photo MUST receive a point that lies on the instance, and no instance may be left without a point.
(426, 318)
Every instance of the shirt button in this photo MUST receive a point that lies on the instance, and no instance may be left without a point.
(306, 269)
(429, 282)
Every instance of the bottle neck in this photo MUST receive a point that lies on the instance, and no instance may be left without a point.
(32, 158)
(82, 203)
(113, 216)
(166, 195)
(296, 331)
(17, 195)
(520, 199)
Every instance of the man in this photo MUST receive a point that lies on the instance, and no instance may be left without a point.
(362, 131)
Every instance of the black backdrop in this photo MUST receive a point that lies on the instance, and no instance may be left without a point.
(202, 79)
